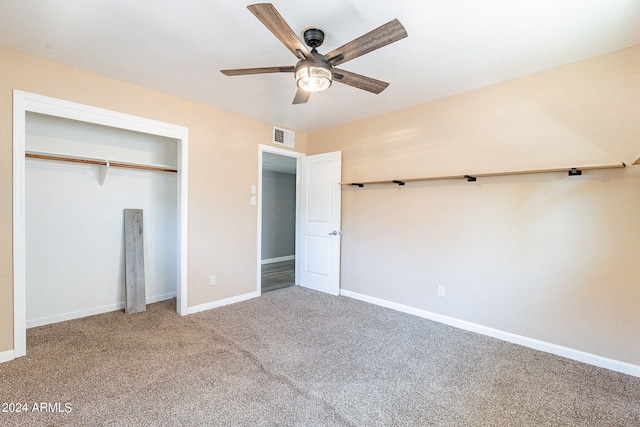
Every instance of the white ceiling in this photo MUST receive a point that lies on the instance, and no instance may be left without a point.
(453, 46)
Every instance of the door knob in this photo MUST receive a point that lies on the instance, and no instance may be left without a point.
(336, 233)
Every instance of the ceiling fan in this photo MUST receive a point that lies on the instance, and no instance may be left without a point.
(315, 72)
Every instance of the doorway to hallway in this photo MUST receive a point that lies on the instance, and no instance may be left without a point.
(278, 221)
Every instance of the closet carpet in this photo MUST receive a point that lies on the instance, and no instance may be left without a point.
(295, 357)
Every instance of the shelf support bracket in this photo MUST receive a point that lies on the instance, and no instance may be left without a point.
(470, 178)
(575, 172)
(395, 181)
(104, 171)
(358, 185)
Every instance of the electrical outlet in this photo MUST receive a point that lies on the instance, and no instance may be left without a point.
(212, 279)
(441, 291)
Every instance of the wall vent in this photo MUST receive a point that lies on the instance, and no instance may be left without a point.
(283, 137)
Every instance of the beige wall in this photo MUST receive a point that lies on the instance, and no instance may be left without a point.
(549, 257)
(223, 164)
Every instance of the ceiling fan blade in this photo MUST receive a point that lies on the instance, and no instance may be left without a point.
(359, 81)
(388, 33)
(269, 16)
(263, 70)
(301, 97)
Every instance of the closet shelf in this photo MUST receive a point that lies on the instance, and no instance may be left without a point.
(637, 162)
(572, 171)
(91, 161)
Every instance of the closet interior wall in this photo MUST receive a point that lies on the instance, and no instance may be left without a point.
(74, 224)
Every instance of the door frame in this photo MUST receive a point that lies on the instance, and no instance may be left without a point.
(287, 153)
(25, 102)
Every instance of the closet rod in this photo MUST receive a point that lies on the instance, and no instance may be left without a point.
(473, 177)
(100, 162)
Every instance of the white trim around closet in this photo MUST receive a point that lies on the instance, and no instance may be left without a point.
(24, 102)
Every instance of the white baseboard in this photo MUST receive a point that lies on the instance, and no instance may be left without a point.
(580, 356)
(220, 303)
(6, 356)
(278, 259)
(90, 312)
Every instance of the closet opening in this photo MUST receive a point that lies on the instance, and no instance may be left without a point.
(74, 216)
(68, 215)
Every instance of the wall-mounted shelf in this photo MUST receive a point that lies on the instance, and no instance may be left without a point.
(104, 164)
(571, 171)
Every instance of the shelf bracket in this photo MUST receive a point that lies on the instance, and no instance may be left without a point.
(575, 172)
(358, 185)
(470, 178)
(395, 181)
(104, 171)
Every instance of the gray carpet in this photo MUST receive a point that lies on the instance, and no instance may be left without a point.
(295, 357)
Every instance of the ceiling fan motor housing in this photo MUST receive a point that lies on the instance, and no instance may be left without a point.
(313, 37)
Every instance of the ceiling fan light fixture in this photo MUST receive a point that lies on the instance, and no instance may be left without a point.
(313, 77)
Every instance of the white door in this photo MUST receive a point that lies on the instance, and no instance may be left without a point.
(319, 238)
